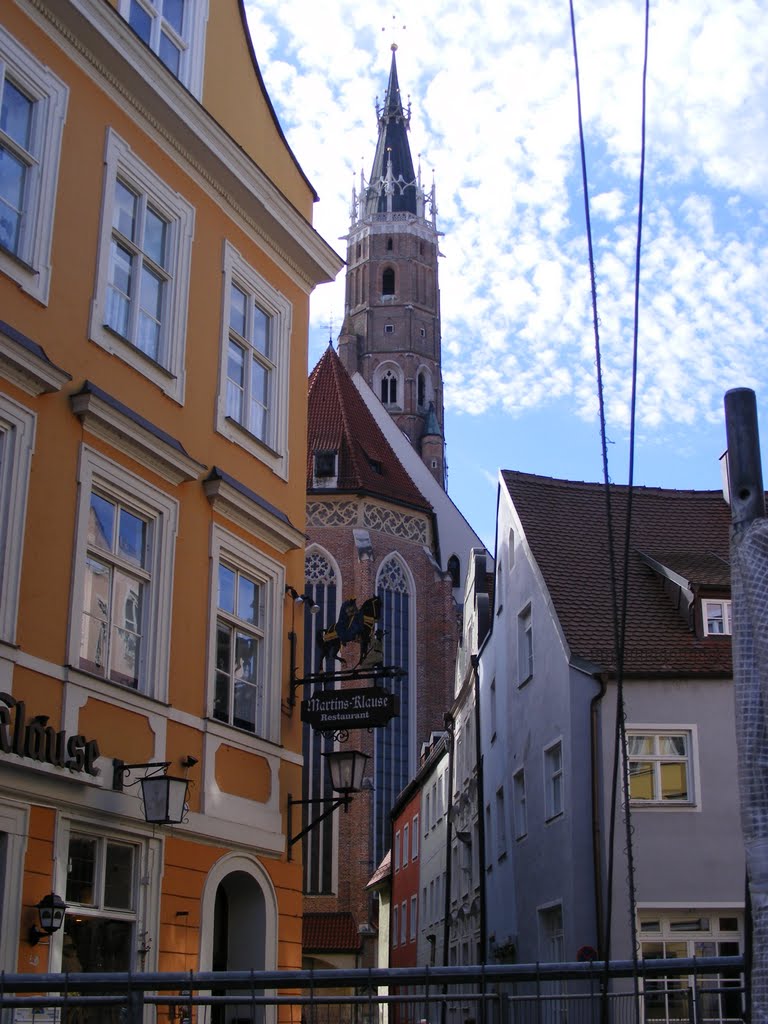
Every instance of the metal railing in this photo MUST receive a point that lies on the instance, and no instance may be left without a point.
(696, 991)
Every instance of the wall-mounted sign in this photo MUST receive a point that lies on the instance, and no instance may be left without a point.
(366, 708)
(35, 739)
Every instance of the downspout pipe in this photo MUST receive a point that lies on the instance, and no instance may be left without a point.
(475, 662)
(449, 728)
(597, 835)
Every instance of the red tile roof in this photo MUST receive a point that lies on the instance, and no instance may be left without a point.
(330, 933)
(339, 421)
(687, 532)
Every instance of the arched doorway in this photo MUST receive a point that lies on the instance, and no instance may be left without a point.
(240, 909)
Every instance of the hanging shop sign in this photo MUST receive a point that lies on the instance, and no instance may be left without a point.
(35, 739)
(369, 707)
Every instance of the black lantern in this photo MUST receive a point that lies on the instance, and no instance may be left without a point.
(346, 768)
(163, 796)
(50, 912)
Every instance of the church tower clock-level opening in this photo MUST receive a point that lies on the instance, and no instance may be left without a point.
(391, 330)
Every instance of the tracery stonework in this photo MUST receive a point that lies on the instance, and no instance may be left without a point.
(370, 515)
(332, 513)
(399, 524)
(317, 569)
(392, 577)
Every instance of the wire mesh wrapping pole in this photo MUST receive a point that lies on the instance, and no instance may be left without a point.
(749, 593)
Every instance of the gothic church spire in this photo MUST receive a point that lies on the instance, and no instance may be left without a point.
(392, 173)
(391, 331)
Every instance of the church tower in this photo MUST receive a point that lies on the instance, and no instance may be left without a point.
(391, 330)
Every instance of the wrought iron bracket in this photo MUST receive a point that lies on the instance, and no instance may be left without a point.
(120, 769)
(335, 803)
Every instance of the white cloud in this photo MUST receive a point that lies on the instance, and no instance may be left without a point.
(494, 113)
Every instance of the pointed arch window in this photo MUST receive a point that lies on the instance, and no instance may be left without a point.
(323, 585)
(388, 282)
(454, 568)
(421, 389)
(389, 245)
(389, 388)
(392, 770)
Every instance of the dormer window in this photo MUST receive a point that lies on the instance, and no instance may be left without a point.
(326, 471)
(717, 617)
(375, 465)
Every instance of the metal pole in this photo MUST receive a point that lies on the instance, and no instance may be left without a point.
(745, 474)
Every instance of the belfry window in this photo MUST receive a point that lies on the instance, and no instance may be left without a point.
(389, 388)
(421, 389)
(388, 282)
(389, 245)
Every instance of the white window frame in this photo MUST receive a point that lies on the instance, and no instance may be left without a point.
(395, 925)
(274, 449)
(520, 804)
(525, 652)
(705, 927)
(14, 823)
(169, 373)
(691, 759)
(397, 850)
(193, 57)
(162, 511)
(414, 918)
(415, 838)
(554, 781)
(406, 843)
(146, 888)
(501, 824)
(271, 576)
(727, 629)
(30, 267)
(17, 445)
(403, 922)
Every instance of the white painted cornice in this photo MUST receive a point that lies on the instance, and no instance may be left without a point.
(25, 364)
(235, 504)
(125, 431)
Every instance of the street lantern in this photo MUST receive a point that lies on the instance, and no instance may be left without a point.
(50, 912)
(346, 768)
(163, 796)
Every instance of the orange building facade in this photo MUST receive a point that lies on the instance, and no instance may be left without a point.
(156, 261)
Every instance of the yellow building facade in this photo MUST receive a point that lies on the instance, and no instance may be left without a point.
(156, 261)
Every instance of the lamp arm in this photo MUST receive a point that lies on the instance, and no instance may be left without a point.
(335, 802)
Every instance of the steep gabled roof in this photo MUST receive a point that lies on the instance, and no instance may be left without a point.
(340, 422)
(677, 536)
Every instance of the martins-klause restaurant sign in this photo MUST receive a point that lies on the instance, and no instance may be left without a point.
(366, 708)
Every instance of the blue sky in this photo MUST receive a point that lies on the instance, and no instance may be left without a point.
(494, 115)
